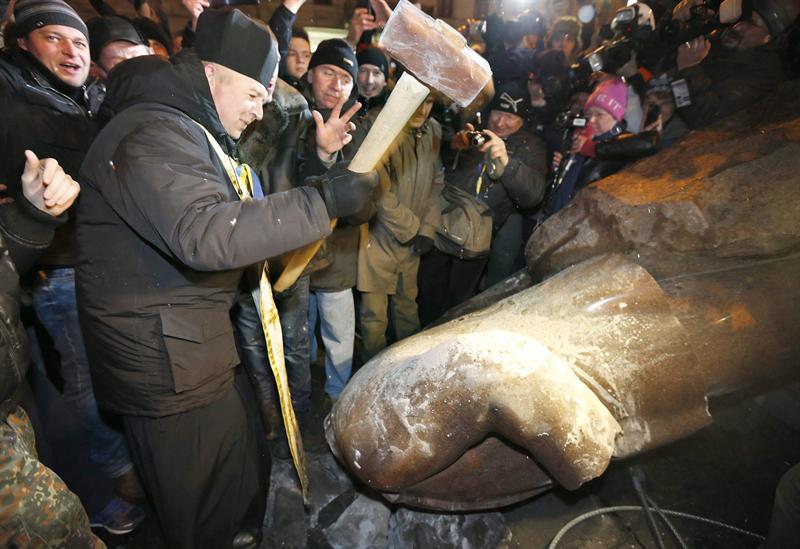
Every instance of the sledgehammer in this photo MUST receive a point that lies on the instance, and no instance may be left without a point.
(438, 56)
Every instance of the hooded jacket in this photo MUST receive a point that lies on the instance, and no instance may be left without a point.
(164, 240)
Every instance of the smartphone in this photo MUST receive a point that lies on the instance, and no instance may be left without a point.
(366, 37)
(652, 115)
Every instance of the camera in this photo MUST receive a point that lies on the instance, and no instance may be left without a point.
(633, 30)
(569, 120)
(705, 19)
(476, 138)
(610, 57)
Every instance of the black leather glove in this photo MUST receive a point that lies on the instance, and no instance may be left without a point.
(629, 146)
(421, 244)
(345, 193)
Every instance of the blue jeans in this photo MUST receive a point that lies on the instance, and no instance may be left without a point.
(57, 310)
(292, 307)
(337, 318)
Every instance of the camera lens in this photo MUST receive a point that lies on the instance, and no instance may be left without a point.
(476, 139)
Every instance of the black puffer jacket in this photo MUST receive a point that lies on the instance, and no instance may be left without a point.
(163, 240)
(51, 120)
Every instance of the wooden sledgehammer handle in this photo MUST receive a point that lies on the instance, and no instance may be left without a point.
(404, 100)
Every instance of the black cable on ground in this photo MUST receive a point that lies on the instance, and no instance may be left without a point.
(668, 522)
(637, 476)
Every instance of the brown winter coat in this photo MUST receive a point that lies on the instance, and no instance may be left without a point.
(411, 182)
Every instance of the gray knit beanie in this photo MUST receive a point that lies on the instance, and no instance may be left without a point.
(35, 14)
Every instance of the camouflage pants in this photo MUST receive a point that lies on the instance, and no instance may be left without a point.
(36, 507)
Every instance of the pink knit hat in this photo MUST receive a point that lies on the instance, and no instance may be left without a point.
(610, 95)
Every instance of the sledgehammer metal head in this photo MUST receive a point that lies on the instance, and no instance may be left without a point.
(435, 53)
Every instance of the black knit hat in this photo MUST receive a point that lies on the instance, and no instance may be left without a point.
(337, 52)
(512, 97)
(103, 30)
(374, 56)
(35, 14)
(233, 40)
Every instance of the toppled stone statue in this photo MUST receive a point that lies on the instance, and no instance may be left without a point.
(666, 284)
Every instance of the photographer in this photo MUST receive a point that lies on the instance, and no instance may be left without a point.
(601, 148)
(502, 168)
(549, 88)
(630, 49)
(738, 69)
(565, 36)
(667, 122)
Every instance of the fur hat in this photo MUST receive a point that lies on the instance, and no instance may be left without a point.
(35, 14)
(610, 95)
(233, 40)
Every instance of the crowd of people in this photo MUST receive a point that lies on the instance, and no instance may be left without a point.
(147, 177)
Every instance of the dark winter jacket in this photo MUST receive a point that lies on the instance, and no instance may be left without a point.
(164, 239)
(612, 153)
(341, 247)
(512, 64)
(275, 146)
(51, 120)
(29, 236)
(728, 81)
(370, 103)
(522, 184)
